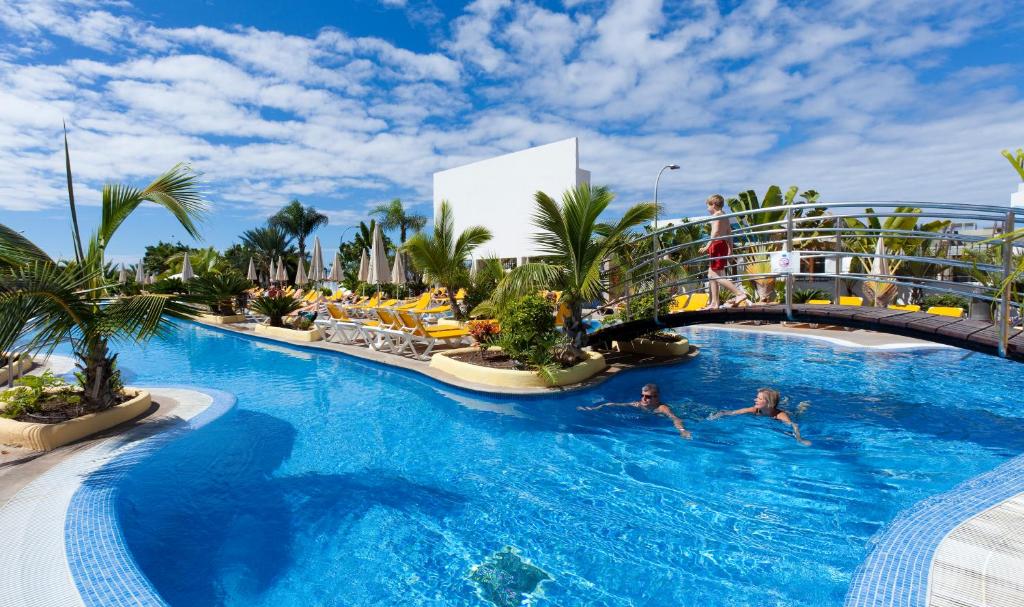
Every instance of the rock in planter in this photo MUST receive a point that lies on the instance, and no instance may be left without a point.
(46, 437)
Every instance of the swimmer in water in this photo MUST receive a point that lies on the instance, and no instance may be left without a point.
(650, 401)
(767, 404)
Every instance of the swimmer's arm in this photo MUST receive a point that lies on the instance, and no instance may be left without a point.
(602, 405)
(784, 418)
(743, 411)
(678, 423)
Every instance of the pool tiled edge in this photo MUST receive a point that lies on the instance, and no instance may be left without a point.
(896, 571)
(60, 542)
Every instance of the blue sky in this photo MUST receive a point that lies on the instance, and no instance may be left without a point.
(346, 104)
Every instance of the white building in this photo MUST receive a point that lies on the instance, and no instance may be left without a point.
(497, 193)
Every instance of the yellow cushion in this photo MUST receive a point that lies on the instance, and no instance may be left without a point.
(946, 311)
(847, 300)
(906, 308)
(819, 302)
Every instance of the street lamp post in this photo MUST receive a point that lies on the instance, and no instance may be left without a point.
(655, 245)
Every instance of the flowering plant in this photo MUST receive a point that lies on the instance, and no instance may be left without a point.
(484, 331)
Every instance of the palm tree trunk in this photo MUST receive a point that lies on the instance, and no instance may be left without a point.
(456, 310)
(575, 329)
(98, 370)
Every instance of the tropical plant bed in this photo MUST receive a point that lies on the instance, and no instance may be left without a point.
(492, 357)
(292, 334)
(52, 427)
(221, 319)
(503, 377)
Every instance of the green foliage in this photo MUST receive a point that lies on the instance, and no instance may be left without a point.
(801, 296)
(575, 243)
(489, 273)
(301, 323)
(156, 259)
(219, 291)
(167, 286)
(528, 333)
(442, 255)
(946, 300)
(1017, 161)
(393, 216)
(25, 396)
(275, 307)
(298, 222)
(642, 306)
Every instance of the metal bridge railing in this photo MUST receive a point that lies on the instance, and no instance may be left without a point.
(843, 232)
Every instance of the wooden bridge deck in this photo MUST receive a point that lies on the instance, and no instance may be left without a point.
(969, 334)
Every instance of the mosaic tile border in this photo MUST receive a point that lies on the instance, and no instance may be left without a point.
(103, 569)
(896, 571)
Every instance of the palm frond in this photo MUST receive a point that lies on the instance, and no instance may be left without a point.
(16, 250)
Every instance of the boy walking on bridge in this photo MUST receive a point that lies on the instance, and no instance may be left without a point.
(718, 249)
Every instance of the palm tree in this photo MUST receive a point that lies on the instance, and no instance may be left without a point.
(299, 222)
(443, 255)
(48, 303)
(393, 216)
(266, 245)
(575, 245)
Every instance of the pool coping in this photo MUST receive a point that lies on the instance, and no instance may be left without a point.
(58, 527)
(898, 569)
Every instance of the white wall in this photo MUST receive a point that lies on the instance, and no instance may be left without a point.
(497, 193)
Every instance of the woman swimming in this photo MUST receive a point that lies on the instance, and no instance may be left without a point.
(767, 404)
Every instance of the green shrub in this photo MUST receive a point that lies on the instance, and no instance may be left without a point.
(301, 323)
(642, 306)
(24, 397)
(946, 300)
(275, 307)
(167, 286)
(528, 333)
(801, 296)
(220, 291)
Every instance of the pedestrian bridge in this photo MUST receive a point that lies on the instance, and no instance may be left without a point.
(885, 252)
(979, 336)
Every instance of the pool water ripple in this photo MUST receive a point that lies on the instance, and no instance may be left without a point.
(337, 482)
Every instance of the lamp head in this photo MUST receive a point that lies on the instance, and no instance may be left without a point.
(672, 167)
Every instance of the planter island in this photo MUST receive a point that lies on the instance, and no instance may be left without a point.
(219, 319)
(46, 437)
(290, 334)
(514, 378)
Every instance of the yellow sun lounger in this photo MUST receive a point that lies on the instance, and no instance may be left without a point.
(697, 302)
(417, 305)
(429, 336)
(678, 303)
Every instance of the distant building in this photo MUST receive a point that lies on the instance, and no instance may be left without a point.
(497, 193)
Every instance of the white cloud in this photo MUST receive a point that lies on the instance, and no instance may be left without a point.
(831, 97)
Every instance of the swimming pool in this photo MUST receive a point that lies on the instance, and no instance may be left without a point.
(338, 482)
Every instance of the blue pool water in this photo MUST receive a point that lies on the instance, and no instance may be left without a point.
(337, 482)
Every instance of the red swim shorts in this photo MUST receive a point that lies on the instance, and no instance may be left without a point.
(717, 252)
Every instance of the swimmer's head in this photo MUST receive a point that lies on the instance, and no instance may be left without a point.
(767, 398)
(649, 393)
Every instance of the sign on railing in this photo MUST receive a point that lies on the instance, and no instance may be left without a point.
(785, 262)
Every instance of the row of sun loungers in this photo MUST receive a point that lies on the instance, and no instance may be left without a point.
(386, 327)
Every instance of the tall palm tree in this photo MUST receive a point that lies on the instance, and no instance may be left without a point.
(575, 245)
(267, 244)
(393, 216)
(442, 255)
(47, 303)
(299, 222)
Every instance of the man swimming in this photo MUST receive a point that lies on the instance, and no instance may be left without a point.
(766, 403)
(650, 401)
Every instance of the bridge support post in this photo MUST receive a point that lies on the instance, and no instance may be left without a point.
(789, 275)
(837, 284)
(1004, 299)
